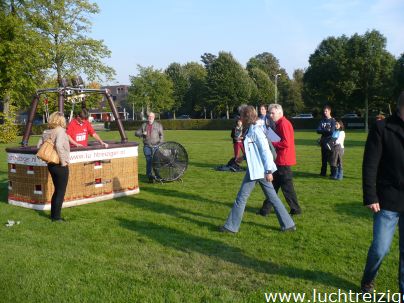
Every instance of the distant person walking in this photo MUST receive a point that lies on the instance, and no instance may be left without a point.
(337, 151)
(59, 172)
(286, 158)
(152, 134)
(383, 192)
(325, 128)
(260, 169)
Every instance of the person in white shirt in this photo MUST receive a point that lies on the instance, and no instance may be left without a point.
(337, 152)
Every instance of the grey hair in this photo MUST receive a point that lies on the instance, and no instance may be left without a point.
(400, 102)
(241, 107)
(277, 107)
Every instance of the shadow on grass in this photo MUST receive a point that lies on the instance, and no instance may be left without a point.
(173, 211)
(182, 241)
(354, 209)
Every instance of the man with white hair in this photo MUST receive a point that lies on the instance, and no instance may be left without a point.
(286, 157)
(152, 134)
(383, 192)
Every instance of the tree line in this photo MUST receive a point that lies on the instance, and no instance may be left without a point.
(43, 41)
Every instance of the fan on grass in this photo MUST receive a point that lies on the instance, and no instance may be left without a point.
(169, 161)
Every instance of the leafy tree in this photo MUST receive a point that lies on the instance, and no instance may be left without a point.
(325, 80)
(151, 89)
(63, 25)
(398, 76)
(294, 103)
(371, 69)
(265, 62)
(178, 76)
(195, 96)
(264, 89)
(228, 83)
(20, 65)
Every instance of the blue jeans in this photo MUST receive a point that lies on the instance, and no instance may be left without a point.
(384, 225)
(236, 214)
(148, 153)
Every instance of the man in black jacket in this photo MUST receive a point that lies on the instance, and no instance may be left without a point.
(383, 191)
(326, 127)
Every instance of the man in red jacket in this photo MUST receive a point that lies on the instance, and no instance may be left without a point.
(286, 157)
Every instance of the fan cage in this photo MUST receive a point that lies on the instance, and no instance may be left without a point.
(169, 161)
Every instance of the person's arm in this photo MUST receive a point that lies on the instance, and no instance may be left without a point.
(285, 132)
(140, 132)
(371, 161)
(72, 142)
(320, 129)
(96, 137)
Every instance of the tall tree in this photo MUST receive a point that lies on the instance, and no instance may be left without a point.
(325, 80)
(21, 64)
(371, 68)
(264, 91)
(178, 76)
(398, 76)
(266, 62)
(151, 90)
(63, 24)
(294, 103)
(195, 96)
(228, 83)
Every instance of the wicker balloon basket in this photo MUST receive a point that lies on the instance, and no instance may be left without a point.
(94, 175)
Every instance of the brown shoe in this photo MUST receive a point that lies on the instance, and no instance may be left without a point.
(223, 229)
(368, 287)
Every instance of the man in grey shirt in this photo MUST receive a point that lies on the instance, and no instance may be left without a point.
(152, 134)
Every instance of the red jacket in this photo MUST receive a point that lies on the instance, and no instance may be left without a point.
(285, 149)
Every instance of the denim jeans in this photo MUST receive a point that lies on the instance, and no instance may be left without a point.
(148, 153)
(236, 214)
(384, 225)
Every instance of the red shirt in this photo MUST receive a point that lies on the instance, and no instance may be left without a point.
(285, 149)
(79, 131)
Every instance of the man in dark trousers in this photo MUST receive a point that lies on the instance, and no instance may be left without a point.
(325, 128)
(152, 134)
(286, 157)
(383, 192)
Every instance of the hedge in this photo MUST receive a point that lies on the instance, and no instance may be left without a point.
(220, 124)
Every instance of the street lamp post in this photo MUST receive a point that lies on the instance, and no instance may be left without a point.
(276, 88)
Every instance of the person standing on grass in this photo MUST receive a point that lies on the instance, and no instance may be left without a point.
(260, 169)
(383, 192)
(325, 128)
(59, 172)
(152, 134)
(286, 157)
(337, 151)
(237, 136)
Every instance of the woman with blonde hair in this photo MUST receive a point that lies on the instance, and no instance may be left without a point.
(59, 172)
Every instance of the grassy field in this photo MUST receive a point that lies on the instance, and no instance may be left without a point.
(162, 245)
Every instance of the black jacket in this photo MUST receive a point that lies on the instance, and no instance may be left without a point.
(383, 165)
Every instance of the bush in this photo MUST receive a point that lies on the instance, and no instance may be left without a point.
(189, 124)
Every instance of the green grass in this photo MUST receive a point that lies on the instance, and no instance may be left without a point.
(162, 245)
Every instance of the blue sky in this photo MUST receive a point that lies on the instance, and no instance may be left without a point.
(158, 32)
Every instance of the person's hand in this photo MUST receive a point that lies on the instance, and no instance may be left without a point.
(105, 144)
(78, 144)
(374, 207)
(144, 133)
(269, 177)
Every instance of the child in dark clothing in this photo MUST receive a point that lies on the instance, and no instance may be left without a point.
(237, 135)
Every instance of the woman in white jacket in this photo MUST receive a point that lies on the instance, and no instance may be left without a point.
(260, 168)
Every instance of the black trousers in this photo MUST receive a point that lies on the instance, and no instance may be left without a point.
(60, 177)
(283, 178)
(325, 156)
